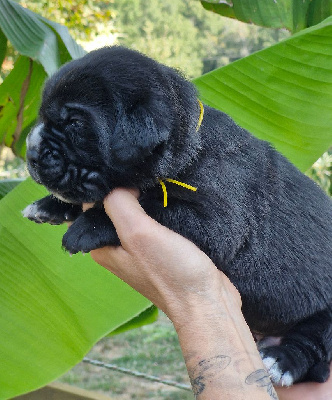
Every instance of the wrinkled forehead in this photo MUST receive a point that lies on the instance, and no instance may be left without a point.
(74, 86)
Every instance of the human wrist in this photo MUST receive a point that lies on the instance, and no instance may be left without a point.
(218, 347)
(221, 357)
(217, 298)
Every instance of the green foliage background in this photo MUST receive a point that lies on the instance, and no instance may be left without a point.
(178, 33)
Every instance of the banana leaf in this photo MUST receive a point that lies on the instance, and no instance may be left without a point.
(53, 307)
(19, 102)
(7, 185)
(37, 38)
(43, 46)
(282, 94)
(293, 15)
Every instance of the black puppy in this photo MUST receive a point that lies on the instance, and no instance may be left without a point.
(117, 118)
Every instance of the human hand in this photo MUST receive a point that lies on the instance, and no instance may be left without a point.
(160, 264)
(203, 305)
(307, 391)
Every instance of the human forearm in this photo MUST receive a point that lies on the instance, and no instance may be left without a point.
(220, 355)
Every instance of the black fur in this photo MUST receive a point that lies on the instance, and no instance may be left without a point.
(117, 118)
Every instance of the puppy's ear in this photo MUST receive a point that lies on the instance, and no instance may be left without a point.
(139, 130)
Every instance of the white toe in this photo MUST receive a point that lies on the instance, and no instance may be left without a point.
(277, 376)
(30, 211)
(287, 379)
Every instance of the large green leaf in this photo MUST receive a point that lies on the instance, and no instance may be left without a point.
(282, 94)
(53, 307)
(44, 46)
(290, 14)
(3, 47)
(318, 11)
(8, 185)
(148, 316)
(19, 102)
(68, 48)
(35, 37)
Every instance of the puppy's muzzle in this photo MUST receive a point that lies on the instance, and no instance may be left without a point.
(32, 157)
(32, 154)
(32, 163)
(44, 164)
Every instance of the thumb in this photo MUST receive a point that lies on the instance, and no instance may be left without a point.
(122, 206)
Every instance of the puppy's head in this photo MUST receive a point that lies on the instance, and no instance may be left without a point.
(112, 118)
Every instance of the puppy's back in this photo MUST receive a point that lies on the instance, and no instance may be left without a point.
(278, 251)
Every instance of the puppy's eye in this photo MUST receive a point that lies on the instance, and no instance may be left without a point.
(75, 122)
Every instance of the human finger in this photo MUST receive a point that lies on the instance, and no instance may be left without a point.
(113, 258)
(127, 215)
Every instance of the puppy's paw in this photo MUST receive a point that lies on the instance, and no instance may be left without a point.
(292, 362)
(319, 372)
(33, 213)
(277, 367)
(92, 230)
(51, 210)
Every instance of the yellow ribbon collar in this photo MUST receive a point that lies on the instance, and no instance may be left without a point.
(185, 185)
(201, 115)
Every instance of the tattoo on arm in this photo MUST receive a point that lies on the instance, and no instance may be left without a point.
(205, 370)
(210, 368)
(260, 378)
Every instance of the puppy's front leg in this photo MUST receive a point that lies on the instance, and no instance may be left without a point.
(51, 210)
(91, 230)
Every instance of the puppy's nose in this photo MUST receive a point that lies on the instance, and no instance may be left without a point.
(32, 156)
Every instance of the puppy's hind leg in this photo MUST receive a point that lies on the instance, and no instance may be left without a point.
(51, 210)
(304, 353)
